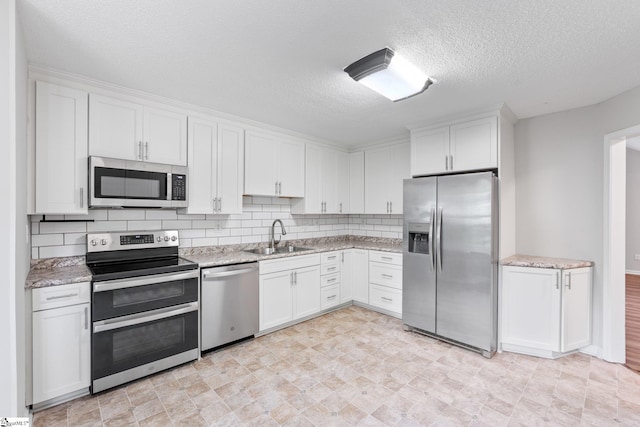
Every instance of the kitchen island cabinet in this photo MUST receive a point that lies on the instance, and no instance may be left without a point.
(545, 312)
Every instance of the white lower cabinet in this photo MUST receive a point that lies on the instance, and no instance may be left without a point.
(385, 281)
(289, 289)
(355, 276)
(61, 339)
(545, 312)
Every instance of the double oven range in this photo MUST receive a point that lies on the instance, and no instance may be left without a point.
(145, 306)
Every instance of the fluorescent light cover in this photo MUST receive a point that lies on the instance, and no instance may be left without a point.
(389, 74)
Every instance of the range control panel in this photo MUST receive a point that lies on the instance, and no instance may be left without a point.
(101, 242)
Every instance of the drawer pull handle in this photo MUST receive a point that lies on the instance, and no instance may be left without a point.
(387, 258)
(332, 297)
(331, 280)
(61, 296)
(331, 268)
(331, 257)
(386, 299)
(388, 276)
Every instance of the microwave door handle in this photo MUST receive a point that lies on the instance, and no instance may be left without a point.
(169, 186)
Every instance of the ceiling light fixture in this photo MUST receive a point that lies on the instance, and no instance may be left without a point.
(390, 75)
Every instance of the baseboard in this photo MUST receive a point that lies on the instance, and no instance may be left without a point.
(592, 350)
(634, 272)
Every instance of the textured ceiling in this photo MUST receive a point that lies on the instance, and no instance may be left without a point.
(280, 62)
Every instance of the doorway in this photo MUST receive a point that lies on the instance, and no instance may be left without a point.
(614, 214)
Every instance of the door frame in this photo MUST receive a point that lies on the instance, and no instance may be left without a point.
(614, 214)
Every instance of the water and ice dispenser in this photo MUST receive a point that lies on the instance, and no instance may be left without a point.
(419, 237)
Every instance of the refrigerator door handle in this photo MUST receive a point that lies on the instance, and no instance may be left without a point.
(439, 239)
(432, 256)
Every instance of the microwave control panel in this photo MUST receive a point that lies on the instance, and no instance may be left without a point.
(178, 187)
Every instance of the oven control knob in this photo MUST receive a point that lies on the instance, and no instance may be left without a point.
(94, 242)
(166, 238)
(159, 239)
(103, 241)
(174, 238)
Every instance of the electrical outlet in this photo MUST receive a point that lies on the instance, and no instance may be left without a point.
(637, 257)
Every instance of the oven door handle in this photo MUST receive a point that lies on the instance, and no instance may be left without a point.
(111, 285)
(149, 316)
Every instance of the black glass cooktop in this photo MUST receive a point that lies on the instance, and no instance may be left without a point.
(139, 267)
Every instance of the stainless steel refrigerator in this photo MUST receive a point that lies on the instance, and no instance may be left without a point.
(450, 258)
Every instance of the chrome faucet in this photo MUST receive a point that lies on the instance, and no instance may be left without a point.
(272, 241)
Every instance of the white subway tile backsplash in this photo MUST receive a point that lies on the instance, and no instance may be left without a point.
(126, 214)
(251, 226)
(144, 225)
(47, 240)
(62, 227)
(62, 251)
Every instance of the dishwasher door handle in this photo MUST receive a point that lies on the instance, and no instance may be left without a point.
(214, 275)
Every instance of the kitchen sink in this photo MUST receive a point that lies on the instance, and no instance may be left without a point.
(281, 250)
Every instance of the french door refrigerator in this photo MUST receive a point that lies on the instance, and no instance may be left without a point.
(450, 259)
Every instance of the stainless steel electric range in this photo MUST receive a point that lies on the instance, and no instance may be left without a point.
(145, 303)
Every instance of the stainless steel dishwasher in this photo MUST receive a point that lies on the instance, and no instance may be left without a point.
(229, 304)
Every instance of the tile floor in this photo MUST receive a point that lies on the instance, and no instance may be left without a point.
(358, 367)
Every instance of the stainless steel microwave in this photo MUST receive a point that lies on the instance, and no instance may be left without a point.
(118, 183)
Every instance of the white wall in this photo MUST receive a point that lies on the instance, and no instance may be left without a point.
(633, 210)
(13, 251)
(559, 175)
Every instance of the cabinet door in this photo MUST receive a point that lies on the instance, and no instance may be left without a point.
(531, 307)
(61, 351)
(291, 168)
(313, 181)
(398, 172)
(230, 166)
(474, 145)
(330, 180)
(360, 275)
(306, 289)
(346, 275)
(576, 309)
(376, 178)
(342, 182)
(165, 137)
(61, 150)
(276, 301)
(260, 176)
(356, 182)
(429, 151)
(115, 128)
(203, 142)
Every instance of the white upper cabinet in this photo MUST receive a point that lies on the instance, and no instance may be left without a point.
(460, 147)
(385, 169)
(132, 131)
(274, 166)
(60, 150)
(216, 167)
(356, 182)
(326, 182)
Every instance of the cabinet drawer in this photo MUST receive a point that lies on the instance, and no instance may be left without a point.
(289, 263)
(330, 296)
(329, 257)
(386, 257)
(330, 279)
(385, 297)
(60, 296)
(331, 268)
(385, 274)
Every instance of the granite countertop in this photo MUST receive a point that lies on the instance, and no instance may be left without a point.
(62, 271)
(214, 256)
(544, 262)
(57, 271)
